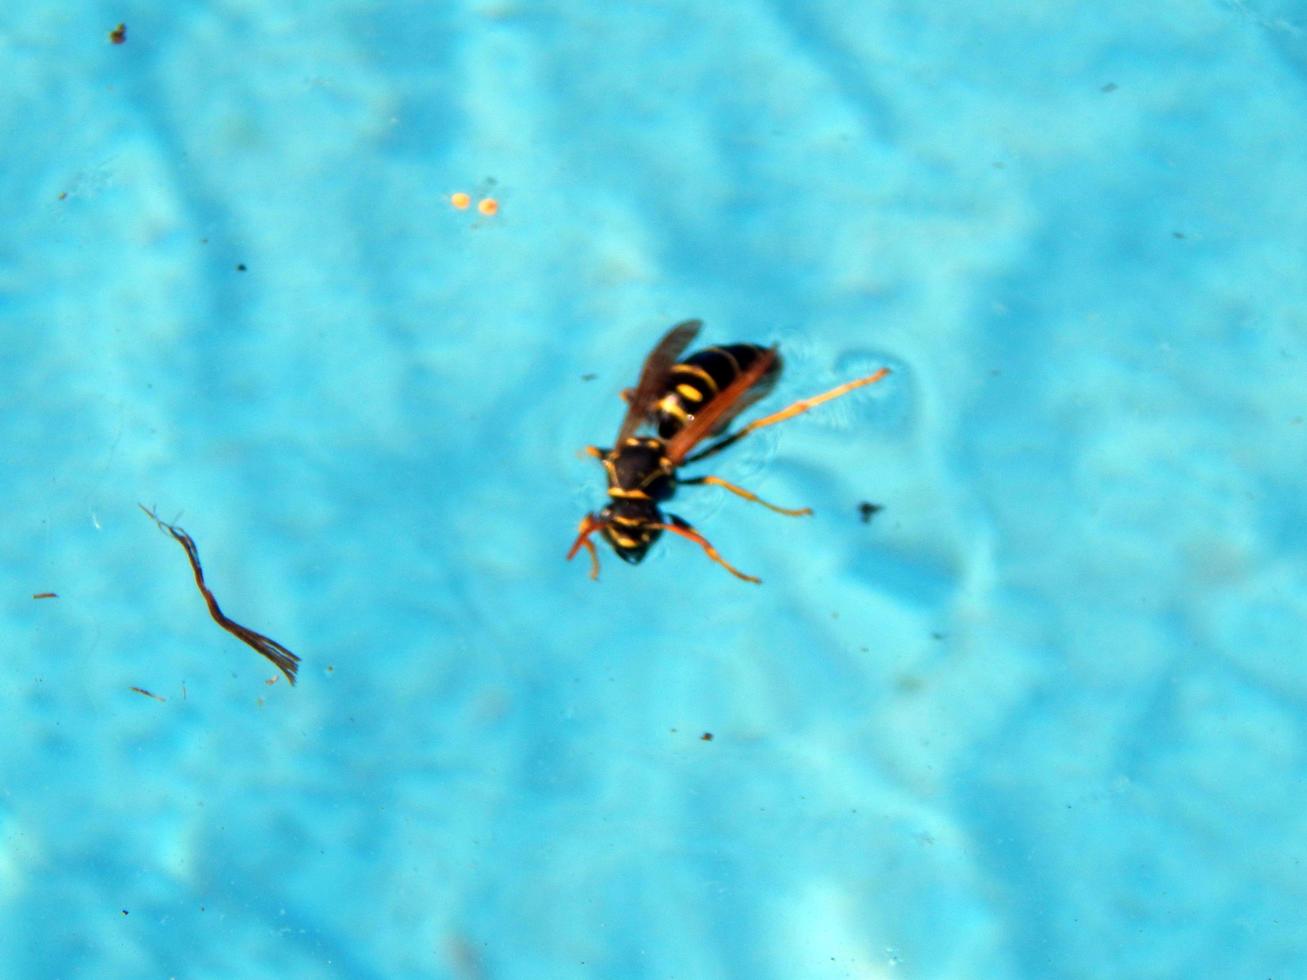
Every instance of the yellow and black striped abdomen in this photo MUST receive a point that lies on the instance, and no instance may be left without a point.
(698, 379)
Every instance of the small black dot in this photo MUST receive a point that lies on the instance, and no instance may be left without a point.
(240, 267)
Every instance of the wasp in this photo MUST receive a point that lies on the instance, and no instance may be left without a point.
(684, 402)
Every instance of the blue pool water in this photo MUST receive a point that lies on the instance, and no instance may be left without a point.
(1044, 715)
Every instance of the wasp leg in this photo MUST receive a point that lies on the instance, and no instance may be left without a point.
(589, 524)
(595, 451)
(717, 481)
(681, 527)
(798, 408)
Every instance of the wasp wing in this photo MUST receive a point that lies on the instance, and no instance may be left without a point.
(760, 390)
(720, 410)
(653, 377)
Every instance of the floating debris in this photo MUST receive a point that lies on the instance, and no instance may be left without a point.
(283, 659)
(867, 510)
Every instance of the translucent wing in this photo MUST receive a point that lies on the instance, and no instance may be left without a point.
(760, 390)
(653, 377)
(722, 407)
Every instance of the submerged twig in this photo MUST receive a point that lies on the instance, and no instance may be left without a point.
(284, 660)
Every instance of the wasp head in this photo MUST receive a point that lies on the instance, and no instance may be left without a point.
(631, 526)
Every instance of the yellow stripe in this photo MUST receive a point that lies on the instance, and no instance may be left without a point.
(698, 372)
(672, 406)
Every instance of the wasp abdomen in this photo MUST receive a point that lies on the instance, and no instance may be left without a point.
(694, 382)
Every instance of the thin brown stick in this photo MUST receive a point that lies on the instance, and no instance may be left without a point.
(284, 660)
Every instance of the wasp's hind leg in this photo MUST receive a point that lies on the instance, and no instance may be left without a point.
(678, 526)
(798, 408)
(717, 481)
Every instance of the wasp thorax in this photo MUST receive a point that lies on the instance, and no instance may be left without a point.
(638, 469)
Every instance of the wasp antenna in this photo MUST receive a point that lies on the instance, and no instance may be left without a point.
(589, 524)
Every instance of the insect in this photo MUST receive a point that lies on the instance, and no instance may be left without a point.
(685, 402)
